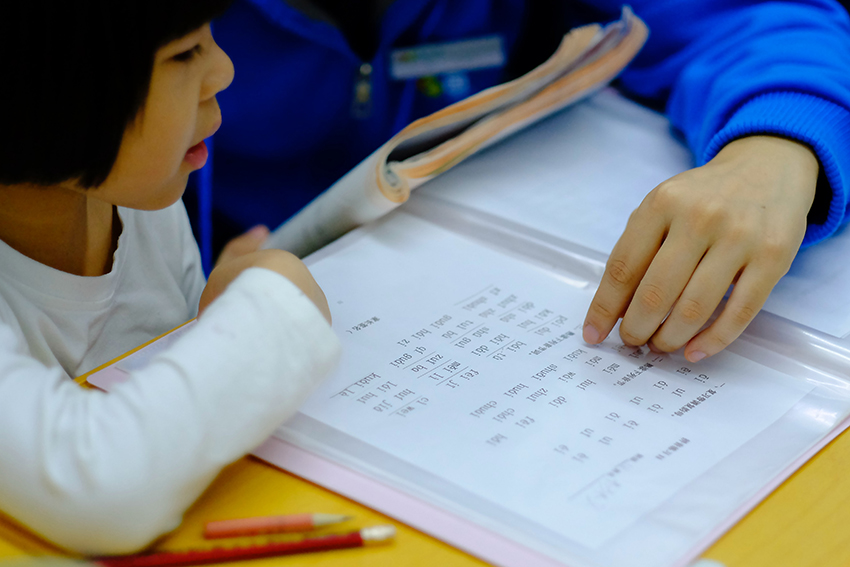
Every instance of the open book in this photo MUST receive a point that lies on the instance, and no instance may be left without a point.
(588, 58)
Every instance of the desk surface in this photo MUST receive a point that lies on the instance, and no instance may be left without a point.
(803, 523)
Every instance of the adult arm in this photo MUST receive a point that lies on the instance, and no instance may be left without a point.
(731, 71)
(100, 473)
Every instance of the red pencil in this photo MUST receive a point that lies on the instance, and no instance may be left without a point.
(367, 536)
(270, 525)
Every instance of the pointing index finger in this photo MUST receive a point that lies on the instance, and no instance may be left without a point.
(624, 271)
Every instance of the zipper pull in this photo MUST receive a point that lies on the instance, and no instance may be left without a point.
(361, 104)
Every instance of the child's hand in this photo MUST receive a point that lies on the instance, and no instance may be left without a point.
(739, 220)
(243, 244)
(284, 263)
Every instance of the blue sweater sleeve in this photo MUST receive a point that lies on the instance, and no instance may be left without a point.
(729, 69)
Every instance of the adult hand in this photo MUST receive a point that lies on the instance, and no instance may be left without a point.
(739, 219)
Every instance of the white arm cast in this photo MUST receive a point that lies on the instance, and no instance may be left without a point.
(107, 473)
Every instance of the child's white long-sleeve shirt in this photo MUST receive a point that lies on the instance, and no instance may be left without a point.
(107, 473)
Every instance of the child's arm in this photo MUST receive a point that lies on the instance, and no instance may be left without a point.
(243, 252)
(278, 261)
(109, 473)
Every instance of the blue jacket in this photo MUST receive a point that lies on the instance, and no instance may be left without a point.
(724, 69)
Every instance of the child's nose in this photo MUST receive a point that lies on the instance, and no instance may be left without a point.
(220, 74)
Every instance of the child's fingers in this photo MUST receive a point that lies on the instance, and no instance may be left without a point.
(278, 261)
(244, 244)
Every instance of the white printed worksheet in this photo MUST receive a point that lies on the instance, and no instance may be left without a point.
(467, 365)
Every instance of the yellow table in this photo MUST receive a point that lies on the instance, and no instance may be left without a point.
(806, 522)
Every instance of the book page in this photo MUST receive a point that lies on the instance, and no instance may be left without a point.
(468, 365)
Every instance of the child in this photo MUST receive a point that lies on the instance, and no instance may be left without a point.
(104, 111)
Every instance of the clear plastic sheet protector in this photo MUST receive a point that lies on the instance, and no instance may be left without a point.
(467, 405)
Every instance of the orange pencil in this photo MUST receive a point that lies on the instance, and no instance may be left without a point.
(270, 525)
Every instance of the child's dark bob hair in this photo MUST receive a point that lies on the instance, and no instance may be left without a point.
(74, 74)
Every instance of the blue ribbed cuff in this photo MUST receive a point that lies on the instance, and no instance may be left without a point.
(822, 125)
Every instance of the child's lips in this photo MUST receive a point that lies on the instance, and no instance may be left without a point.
(197, 155)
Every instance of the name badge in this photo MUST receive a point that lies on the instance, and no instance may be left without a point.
(451, 57)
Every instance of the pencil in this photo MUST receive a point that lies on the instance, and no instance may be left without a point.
(374, 535)
(270, 525)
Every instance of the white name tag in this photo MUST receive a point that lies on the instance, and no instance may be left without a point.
(450, 57)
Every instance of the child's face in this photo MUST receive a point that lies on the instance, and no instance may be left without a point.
(164, 144)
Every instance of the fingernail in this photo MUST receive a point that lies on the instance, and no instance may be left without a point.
(696, 356)
(590, 334)
(654, 348)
